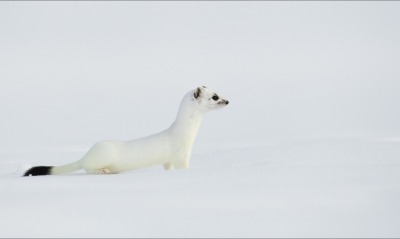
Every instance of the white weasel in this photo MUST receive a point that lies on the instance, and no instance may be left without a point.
(171, 147)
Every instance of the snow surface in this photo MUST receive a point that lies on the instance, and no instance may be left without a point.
(308, 147)
(305, 188)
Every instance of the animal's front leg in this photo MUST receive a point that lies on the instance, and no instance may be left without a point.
(181, 161)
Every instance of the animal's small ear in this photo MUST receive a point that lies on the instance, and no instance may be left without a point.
(197, 92)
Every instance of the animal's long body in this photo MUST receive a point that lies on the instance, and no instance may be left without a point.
(171, 148)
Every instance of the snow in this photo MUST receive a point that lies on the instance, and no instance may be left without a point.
(307, 188)
(309, 145)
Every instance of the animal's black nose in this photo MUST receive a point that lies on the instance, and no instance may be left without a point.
(226, 102)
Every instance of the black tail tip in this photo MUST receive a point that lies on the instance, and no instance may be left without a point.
(38, 171)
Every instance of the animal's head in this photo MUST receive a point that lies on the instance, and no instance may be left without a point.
(208, 99)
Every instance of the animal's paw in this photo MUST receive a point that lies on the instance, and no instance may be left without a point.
(105, 171)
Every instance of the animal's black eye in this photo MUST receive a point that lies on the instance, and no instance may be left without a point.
(215, 97)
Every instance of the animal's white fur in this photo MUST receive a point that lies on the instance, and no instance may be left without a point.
(172, 148)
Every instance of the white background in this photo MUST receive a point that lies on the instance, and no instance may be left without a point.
(78, 72)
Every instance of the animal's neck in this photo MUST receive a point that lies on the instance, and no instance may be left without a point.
(187, 121)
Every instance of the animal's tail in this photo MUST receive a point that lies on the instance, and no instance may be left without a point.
(53, 170)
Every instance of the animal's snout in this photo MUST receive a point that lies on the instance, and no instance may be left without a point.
(226, 101)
